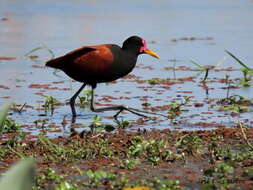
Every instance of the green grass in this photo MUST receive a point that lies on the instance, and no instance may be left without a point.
(3, 113)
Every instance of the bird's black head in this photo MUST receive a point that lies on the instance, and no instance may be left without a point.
(133, 43)
(137, 45)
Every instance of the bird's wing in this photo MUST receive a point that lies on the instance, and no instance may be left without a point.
(79, 52)
(59, 62)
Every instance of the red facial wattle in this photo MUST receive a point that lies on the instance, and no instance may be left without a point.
(144, 49)
(144, 46)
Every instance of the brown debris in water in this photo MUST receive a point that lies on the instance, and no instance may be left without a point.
(7, 58)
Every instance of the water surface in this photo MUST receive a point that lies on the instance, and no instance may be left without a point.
(167, 25)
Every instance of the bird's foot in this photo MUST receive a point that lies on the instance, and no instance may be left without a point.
(132, 110)
(121, 108)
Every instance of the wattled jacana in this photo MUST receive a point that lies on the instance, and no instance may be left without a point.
(101, 63)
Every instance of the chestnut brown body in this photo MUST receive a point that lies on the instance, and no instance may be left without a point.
(95, 64)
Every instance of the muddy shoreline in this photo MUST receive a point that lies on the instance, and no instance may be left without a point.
(220, 158)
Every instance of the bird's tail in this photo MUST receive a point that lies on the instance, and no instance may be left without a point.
(55, 63)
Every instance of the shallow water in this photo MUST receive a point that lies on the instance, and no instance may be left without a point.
(213, 25)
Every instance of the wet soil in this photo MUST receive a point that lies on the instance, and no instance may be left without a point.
(188, 162)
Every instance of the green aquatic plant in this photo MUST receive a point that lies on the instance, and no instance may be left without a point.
(97, 121)
(51, 174)
(235, 99)
(205, 69)
(176, 108)
(158, 184)
(155, 81)
(248, 172)
(238, 60)
(41, 124)
(247, 71)
(152, 150)
(234, 103)
(166, 184)
(50, 103)
(201, 69)
(247, 76)
(16, 140)
(233, 108)
(138, 145)
(192, 144)
(66, 186)
(99, 177)
(58, 181)
(3, 113)
(9, 126)
(129, 164)
(85, 98)
(57, 151)
(218, 177)
(122, 123)
(98, 125)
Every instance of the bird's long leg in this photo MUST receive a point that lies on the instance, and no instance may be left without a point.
(120, 108)
(73, 98)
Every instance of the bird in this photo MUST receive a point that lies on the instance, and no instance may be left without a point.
(95, 64)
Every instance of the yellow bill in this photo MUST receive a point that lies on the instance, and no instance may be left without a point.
(150, 52)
